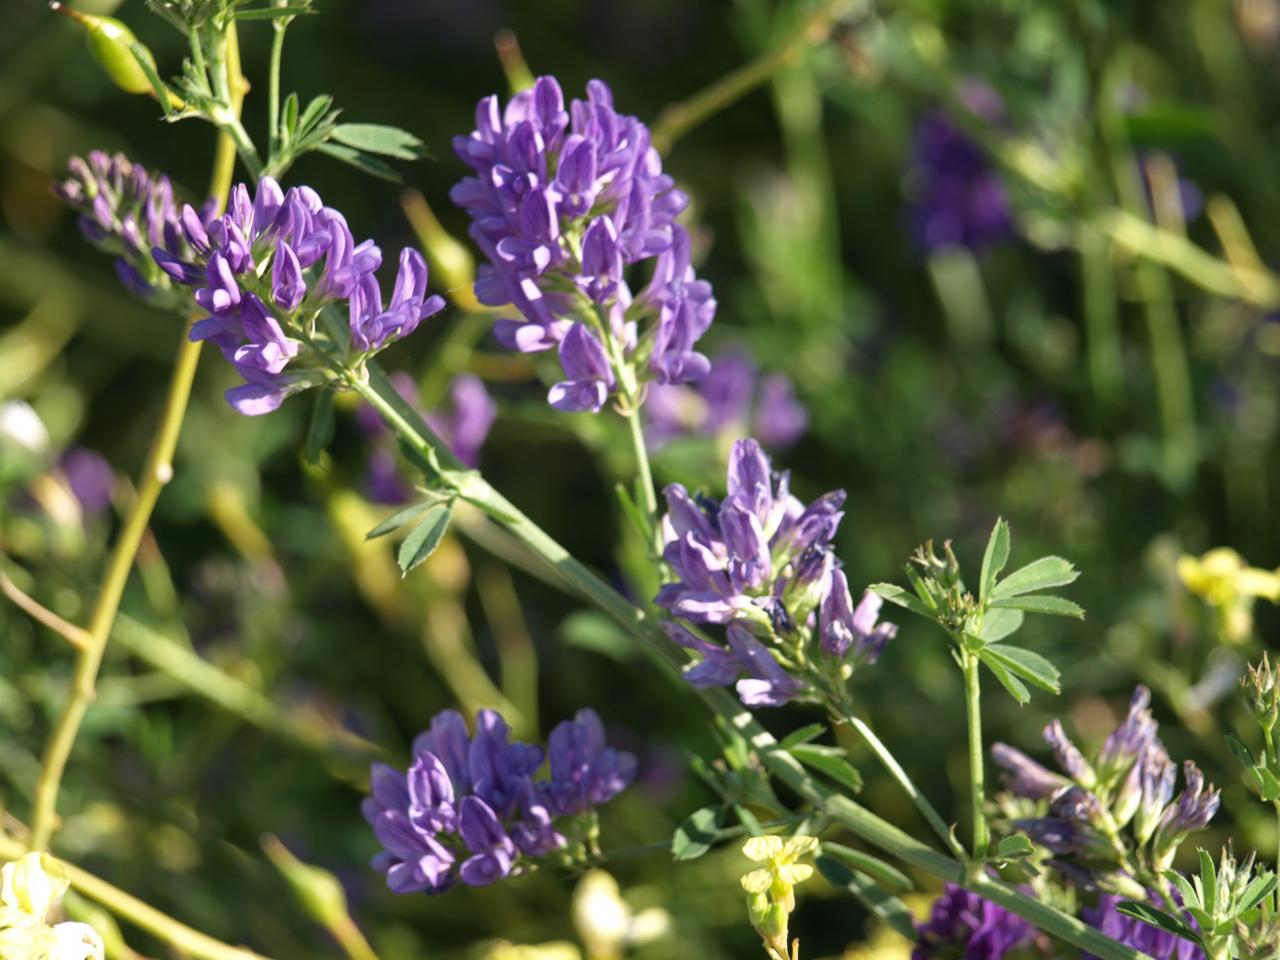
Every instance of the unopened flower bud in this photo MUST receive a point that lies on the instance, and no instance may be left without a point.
(113, 45)
(1262, 693)
(317, 890)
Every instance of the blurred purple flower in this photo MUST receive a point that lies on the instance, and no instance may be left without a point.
(463, 423)
(90, 478)
(1134, 933)
(964, 925)
(732, 400)
(127, 210)
(960, 200)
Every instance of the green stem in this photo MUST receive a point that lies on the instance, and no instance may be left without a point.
(280, 24)
(648, 496)
(894, 769)
(186, 940)
(679, 118)
(580, 581)
(977, 777)
(156, 472)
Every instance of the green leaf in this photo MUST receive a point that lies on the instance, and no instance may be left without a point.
(380, 139)
(994, 559)
(1256, 891)
(824, 761)
(361, 161)
(1040, 604)
(998, 624)
(1209, 879)
(398, 520)
(1268, 785)
(289, 121)
(884, 905)
(1158, 918)
(320, 429)
(1036, 575)
(632, 511)
(803, 735)
(1017, 689)
(873, 867)
(1030, 666)
(748, 820)
(316, 109)
(271, 13)
(1014, 847)
(696, 835)
(1241, 751)
(895, 594)
(425, 537)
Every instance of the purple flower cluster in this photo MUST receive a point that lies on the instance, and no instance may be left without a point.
(562, 203)
(960, 200)
(471, 808)
(964, 926)
(90, 477)
(760, 562)
(265, 270)
(1134, 933)
(732, 400)
(1130, 780)
(127, 210)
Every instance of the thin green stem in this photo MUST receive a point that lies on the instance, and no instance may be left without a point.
(280, 24)
(156, 472)
(679, 118)
(648, 495)
(580, 581)
(977, 776)
(894, 769)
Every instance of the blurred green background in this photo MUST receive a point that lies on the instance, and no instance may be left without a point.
(1103, 374)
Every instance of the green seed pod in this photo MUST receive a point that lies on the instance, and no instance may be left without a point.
(112, 44)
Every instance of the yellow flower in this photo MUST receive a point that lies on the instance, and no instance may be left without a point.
(780, 872)
(605, 921)
(1229, 585)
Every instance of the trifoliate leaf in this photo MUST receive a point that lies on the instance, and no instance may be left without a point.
(1037, 575)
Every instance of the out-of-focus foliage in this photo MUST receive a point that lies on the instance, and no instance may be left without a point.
(1113, 396)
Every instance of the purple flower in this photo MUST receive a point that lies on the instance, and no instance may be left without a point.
(1027, 778)
(90, 478)
(1134, 933)
(1192, 811)
(470, 807)
(960, 199)
(731, 400)
(964, 925)
(463, 424)
(266, 269)
(584, 771)
(128, 211)
(842, 626)
(562, 203)
(759, 562)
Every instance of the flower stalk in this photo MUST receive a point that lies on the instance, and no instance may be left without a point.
(156, 473)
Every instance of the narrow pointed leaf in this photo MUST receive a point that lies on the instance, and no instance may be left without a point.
(1158, 918)
(836, 767)
(424, 538)
(885, 873)
(320, 429)
(803, 735)
(1028, 665)
(883, 904)
(1241, 751)
(895, 594)
(1260, 888)
(995, 557)
(1017, 689)
(380, 139)
(1037, 575)
(748, 820)
(1040, 604)
(1014, 847)
(398, 520)
(361, 161)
